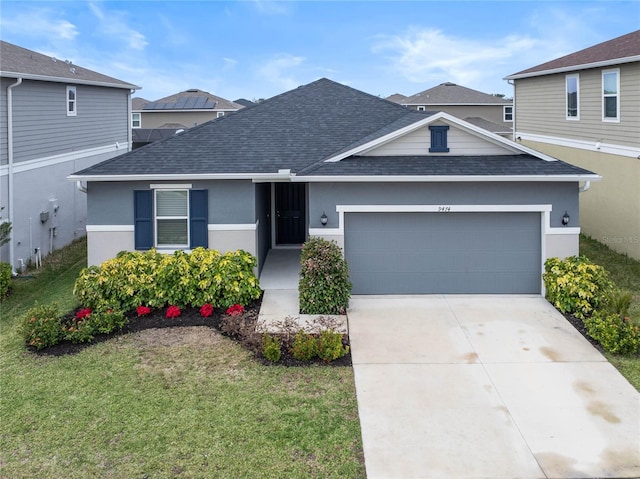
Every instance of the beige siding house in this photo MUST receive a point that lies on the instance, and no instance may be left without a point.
(486, 111)
(584, 108)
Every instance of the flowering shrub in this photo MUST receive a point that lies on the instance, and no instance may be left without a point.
(158, 280)
(41, 326)
(173, 312)
(83, 313)
(206, 310)
(235, 310)
(143, 310)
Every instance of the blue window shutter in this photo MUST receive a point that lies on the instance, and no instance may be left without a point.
(439, 139)
(199, 218)
(143, 219)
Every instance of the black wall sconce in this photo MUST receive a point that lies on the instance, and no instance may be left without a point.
(565, 219)
(324, 219)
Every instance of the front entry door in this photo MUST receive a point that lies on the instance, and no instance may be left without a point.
(290, 213)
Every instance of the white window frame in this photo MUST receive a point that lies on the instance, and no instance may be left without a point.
(219, 114)
(182, 217)
(617, 96)
(71, 102)
(133, 120)
(566, 97)
(504, 113)
(421, 108)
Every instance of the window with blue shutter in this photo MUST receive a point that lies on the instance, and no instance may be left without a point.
(199, 218)
(143, 219)
(439, 139)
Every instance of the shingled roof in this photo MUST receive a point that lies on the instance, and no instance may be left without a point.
(297, 131)
(623, 49)
(18, 62)
(192, 99)
(451, 94)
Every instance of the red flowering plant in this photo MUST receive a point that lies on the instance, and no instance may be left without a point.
(143, 310)
(235, 310)
(83, 313)
(206, 310)
(173, 312)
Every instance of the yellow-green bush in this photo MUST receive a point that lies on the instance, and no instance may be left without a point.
(157, 280)
(5, 278)
(615, 333)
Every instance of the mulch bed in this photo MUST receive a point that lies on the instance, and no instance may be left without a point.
(579, 325)
(191, 317)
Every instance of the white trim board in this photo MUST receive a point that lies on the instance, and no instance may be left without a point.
(233, 227)
(597, 146)
(109, 228)
(210, 227)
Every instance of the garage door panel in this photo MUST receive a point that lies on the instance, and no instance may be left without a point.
(397, 253)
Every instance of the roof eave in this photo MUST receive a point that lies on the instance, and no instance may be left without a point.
(584, 66)
(445, 178)
(75, 81)
(257, 177)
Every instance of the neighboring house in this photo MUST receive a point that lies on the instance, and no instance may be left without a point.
(55, 118)
(421, 202)
(486, 111)
(155, 120)
(244, 102)
(584, 108)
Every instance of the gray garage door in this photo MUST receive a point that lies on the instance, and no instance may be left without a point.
(412, 253)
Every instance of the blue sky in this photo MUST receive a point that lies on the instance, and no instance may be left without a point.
(260, 48)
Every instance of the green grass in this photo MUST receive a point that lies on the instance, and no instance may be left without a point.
(625, 272)
(194, 406)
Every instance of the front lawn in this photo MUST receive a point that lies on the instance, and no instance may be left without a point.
(625, 272)
(178, 402)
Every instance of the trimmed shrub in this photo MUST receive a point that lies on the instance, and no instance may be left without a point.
(305, 346)
(5, 278)
(330, 346)
(324, 278)
(158, 280)
(616, 334)
(577, 286)
(41, 326)
(271, 348)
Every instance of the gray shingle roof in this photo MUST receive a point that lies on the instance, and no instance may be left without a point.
(16, 62)
(625, 46)
(487, 125)
(450, 93)
(297, 130)
(192, 99)
(506, 165)
(137, 103)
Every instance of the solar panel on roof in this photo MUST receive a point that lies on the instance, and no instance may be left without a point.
(210, 104)
(200, 102)
(181, 103)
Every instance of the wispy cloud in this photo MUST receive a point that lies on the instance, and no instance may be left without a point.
(272, 7)
(278, 71)
(428, 54)
(113, 23)
(39, 22)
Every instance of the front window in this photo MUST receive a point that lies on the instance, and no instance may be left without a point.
(573, 97)
(71, 101)
(136, 120)
(610, 95)
(508, 113)
(172, 218)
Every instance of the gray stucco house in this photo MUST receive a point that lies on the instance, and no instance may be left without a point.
(55, 118)
(421, 202)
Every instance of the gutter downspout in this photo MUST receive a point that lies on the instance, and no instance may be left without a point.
(10, 168)
(587, 185)
(81, 189)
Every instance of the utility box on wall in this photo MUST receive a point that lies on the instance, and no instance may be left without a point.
(53, 212)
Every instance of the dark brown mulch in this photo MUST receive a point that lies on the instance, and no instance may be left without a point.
(191, 317)
(579, 325)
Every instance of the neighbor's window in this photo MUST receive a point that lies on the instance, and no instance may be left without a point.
(610, 94)
(71, 101)
(136, 120)
(172, 218)
(220, 113)
(573, 97)
(508, 113)
(421, 108)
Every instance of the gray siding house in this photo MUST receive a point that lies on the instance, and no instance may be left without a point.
(490, 112)
(55, 118)
(421, 202)
(584, 108)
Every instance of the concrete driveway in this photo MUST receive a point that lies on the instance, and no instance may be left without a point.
(460, 386)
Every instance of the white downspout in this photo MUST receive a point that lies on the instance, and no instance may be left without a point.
(587, 185)
(10, 168)
(81, 189)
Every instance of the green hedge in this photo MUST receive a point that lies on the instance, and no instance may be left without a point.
(5, 278)
(157, 280)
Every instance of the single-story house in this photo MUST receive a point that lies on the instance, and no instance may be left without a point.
(421, 202)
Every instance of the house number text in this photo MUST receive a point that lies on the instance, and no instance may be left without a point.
(444, 209)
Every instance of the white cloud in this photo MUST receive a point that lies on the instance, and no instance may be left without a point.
(271, 7)
(277, 71)
(39, 22)
(229, 63)
(114, 24)
(428, 55)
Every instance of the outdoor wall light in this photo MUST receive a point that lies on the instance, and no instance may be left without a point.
(324, 219)
(565, 219)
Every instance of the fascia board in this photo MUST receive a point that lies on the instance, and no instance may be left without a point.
(584, 66)
(72, 81)
(444, 178)
(255, 177)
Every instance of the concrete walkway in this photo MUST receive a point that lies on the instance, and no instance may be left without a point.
(486, 387)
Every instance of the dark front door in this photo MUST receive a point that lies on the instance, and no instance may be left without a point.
(290, 217)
